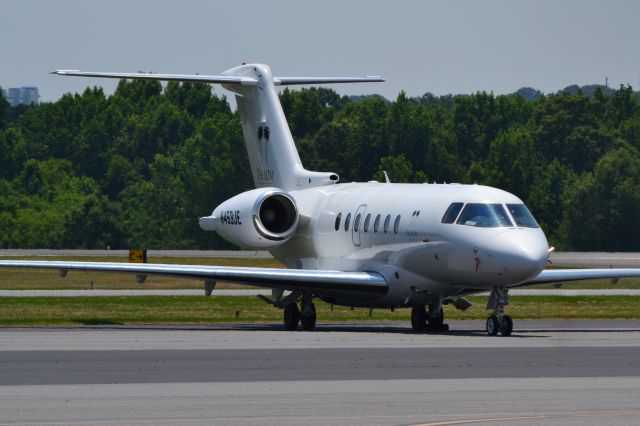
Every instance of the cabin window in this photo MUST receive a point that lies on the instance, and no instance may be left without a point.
(376, 224)
(523, 217)
(356, 223)
(338, 218)
(346, 222)
(484, 215)
(452, 213)
(386, 223)
(366, 223)
(396, 225)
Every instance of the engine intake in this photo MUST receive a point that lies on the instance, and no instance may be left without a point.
(275, 215)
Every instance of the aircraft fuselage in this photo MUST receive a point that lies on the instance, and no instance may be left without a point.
(365, 226)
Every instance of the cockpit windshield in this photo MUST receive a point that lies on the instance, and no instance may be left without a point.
(522, 216)
(484, 215)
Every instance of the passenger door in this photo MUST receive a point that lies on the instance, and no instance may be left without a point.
(358, 222)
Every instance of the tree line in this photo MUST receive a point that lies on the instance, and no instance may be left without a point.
(139, 167)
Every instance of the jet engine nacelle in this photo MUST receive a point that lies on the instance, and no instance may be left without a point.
(259, 219)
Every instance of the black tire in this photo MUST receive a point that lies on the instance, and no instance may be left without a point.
(493, 325)
(507, 326)
(308, 317)
(437, 322)
(418, 318)
(291, 317)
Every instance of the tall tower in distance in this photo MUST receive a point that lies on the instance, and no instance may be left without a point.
(26, 95)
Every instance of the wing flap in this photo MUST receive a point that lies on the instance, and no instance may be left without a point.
(319, 282)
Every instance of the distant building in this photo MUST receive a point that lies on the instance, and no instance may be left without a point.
(21, 95)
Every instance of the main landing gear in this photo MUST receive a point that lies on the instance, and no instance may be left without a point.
(306, 315)
(498, 321)
(431, 321)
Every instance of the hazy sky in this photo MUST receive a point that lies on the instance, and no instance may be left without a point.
(418, 46)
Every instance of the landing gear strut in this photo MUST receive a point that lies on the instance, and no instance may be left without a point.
(498, 321)
(293, 315)
(436, 318)
(308, 315)
(418, 318)
(432, 321)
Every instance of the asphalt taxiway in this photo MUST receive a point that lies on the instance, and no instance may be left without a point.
(547, 372)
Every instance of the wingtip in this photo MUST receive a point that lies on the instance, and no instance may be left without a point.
(63, 72)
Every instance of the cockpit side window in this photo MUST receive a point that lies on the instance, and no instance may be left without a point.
(451, 213)
(522, 216)
(484, 215)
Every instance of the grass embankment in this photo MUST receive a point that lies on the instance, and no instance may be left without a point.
(200, 309)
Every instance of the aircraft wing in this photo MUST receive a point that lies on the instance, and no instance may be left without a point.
(553, 276)
(331, 283)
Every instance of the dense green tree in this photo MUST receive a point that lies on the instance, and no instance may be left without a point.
(600, 207)
(4, 106)
(141, 166)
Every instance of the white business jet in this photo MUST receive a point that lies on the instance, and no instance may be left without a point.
(374, 244)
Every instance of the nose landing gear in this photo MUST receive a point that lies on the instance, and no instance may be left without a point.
(498, 321)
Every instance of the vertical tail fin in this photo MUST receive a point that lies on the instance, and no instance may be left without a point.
(272, 153)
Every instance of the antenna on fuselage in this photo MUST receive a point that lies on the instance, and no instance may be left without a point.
(386, 177)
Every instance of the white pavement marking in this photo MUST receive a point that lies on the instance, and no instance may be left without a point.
(237, 254)
(150, 292)
(249, 292)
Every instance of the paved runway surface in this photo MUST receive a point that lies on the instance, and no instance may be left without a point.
(548, 372)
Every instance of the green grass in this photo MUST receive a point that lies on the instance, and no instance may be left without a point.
(200, 309)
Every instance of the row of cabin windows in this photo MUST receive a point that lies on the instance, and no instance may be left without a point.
(367, 222)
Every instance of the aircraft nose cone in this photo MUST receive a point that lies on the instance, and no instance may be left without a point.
(523, 252)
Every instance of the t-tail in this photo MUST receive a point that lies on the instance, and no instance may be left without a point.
(272, 152)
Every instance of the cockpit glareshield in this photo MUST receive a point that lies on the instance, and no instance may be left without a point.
(522, 216)
(484, 216)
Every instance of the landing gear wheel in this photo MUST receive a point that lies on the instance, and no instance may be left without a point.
(418, 318)
(493, 325)
(291, 317)
(436, 323)
(308, 317)
(507, 326)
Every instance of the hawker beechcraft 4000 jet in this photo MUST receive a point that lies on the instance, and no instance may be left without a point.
(372, 244)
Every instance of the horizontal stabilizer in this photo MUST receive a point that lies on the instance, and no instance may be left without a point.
(219, 79)
(191, 78)
(287, 81)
